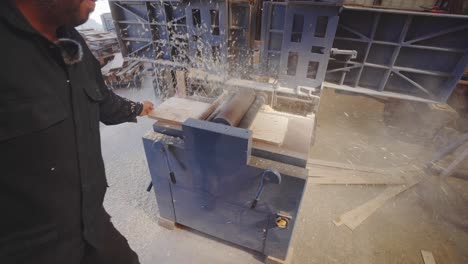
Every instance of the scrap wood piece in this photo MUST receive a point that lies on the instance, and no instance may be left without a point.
(176, 110)
(428, 257)
(127, 68)
(358, 179)
(318, 171)
(181, 83)
(344, 166)
(116, 63)
(454, 165)
(269, 128)
(356, 216)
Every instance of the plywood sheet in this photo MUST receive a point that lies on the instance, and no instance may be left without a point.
(269, 128)
(356, 216)
(176, 110)
(428, 257)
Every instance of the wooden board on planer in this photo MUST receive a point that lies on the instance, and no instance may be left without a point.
(267, 127)
(176, 110)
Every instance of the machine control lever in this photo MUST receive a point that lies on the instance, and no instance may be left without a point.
(268, 176)
(171, 173)
(164, 150)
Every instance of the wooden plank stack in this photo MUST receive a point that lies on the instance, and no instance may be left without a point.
(102, 44)
(122, 73)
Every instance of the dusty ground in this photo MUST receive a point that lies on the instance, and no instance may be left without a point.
(351, 130)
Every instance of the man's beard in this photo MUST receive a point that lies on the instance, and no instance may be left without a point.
(65, 13)
(47, 4)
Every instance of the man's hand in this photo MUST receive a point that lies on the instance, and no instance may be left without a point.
(147, 108)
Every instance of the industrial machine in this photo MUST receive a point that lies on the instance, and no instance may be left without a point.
(232, 167)
(220, 168)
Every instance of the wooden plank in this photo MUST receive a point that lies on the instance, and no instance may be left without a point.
(297, 141)
(428, 257)
(127, 68)
(455, 164)
(181, 84)
(356, 216)
(358, 180)
(318, 171)
(116, 63)
(269, 128)
(176, 110)
(340, 165)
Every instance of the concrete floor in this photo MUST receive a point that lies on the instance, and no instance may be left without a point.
(429, 216)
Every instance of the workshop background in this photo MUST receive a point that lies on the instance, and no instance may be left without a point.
(385, 88)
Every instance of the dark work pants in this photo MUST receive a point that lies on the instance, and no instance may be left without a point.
(50, 249)
(114, 251)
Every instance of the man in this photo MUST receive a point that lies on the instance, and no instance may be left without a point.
(52, 97)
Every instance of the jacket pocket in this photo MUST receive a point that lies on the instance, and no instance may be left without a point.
(94, 98)
(17, 243)
(93, 91)
(24, 116)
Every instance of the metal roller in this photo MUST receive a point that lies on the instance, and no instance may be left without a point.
(249, 117)
(235, 109)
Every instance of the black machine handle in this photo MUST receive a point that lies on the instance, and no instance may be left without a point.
(268, 176)
(164, 150)
(166, 156)
(150, 186)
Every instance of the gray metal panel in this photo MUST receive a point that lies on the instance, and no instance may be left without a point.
(216, 184)
(311, 48)
(132, 27)
(151, 30)
(272, 36)
(409, 53)
(287, 197)
(240, 39)
(107, 22)
(168, 33)
(213, 216)
(297, 38)
(207, 37)
(161, 183)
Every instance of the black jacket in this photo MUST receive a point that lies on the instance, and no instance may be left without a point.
(52, 179)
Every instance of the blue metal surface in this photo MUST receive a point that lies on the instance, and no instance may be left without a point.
(409, 53)
(176, 33)
(207, 34)
(133, 28)
(414, 54)
(107, 22)
(241, 38)
(167, 129)
(159, 177)
(297, 41)
(216, 182)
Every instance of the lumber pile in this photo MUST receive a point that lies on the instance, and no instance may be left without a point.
(102, 44)
(397, 180)
(122, 73)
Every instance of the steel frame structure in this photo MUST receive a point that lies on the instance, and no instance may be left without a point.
(403, 54)
(297, 38)
(400, 52)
